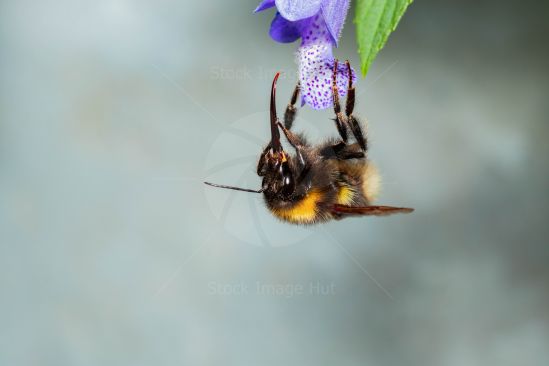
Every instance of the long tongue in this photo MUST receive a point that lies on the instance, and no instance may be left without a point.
(275, 133)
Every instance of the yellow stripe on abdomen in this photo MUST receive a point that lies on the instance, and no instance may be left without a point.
(345, 196)
(304, 211)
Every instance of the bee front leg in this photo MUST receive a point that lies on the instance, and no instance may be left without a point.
(296, 143)
(289, 115)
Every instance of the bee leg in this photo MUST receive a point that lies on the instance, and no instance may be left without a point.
(297, 144)
(349, 107)
(347, 152)
(347, 155)
(261, 165)
(350, 103)
(341, 124)
(295, 141)
(289, 115)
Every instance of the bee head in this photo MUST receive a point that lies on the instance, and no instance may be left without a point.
(274, 163)
(278, 176)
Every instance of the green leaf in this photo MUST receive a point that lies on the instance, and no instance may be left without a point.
(375, 20)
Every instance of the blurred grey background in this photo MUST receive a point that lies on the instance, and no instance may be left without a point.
(112, 252)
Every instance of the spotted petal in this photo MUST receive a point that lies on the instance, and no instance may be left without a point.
(316, 63)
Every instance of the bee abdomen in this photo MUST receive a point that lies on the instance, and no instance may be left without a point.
(371, 182)
(360, 184)
(306, 210)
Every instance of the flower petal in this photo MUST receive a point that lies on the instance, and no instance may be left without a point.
(334, 13)
(317, 84)
(316, 64)
(265, 4)
(297, 9)
(283, 30)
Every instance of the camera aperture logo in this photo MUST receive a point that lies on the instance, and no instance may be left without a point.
(232, 160)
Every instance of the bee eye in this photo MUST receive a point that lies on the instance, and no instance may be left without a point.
(287, 180)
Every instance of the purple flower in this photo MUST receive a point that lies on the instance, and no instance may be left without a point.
(318, 23)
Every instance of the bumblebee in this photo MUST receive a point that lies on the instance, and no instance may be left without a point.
(318, 183)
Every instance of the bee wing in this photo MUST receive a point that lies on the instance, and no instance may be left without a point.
(343, 210)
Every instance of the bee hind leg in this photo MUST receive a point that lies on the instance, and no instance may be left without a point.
(349, 107)
(342, 151)
(340, 121)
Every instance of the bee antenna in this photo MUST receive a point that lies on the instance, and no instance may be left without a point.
(234, 188)
(275, 133)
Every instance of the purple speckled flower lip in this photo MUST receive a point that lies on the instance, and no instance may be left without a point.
(318, 23)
